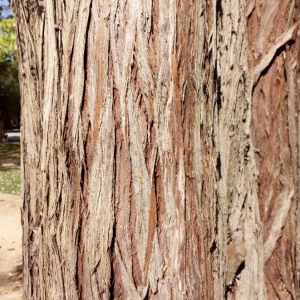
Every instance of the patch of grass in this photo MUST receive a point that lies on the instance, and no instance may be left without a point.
(9, 150)
(10, 175)
(10, 182)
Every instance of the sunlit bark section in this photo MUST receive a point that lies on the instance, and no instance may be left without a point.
(159, 149)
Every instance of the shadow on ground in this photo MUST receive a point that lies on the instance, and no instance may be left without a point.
(12, 281)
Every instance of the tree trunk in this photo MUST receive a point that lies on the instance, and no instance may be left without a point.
(160, 144)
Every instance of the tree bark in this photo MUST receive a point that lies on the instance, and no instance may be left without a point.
(160, 144)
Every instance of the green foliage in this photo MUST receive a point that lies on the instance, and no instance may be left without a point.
(9, 77)
(9, 83)
(8, 48)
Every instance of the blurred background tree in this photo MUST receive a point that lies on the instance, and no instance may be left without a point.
(9, 83)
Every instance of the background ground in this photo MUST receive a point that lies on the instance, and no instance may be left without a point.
(10, 248)
(10, 177)
(10, 221)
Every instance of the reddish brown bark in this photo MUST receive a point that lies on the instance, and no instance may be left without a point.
(160, 149)
(274, 130)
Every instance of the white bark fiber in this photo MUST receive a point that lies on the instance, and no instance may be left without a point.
(142, 156)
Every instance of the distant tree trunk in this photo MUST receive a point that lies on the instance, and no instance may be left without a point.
(160, 144)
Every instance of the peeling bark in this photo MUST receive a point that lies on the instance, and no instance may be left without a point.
(160, 145)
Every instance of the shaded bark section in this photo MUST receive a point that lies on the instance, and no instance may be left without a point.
(275, 134)
(147, 174)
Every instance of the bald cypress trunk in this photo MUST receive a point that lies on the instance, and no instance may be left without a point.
(160, 144)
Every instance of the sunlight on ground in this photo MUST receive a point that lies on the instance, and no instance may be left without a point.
(10, 175)
(10, 182)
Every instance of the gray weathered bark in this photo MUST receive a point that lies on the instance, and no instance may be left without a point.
(160, 145)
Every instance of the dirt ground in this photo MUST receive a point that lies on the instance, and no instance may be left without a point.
(10, 248)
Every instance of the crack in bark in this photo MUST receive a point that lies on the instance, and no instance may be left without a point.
(152, 219)
(230, 287)
(132, 289)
